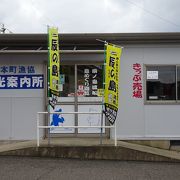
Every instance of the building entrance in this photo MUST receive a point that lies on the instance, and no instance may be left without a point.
(81, 89)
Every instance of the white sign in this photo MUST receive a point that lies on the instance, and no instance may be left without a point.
(153, 97)
(152, 74)
(90, 119)
(62, 119)
(60, 87)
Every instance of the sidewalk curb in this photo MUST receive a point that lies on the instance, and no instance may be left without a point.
(124, 151)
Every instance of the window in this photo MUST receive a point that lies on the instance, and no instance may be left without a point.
(161, 83)
(67, 81)
(90, 80)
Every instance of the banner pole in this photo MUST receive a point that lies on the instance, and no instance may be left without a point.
(101, 127)
(105, 42)
(48, 107)
(115, 134)
(104, 66)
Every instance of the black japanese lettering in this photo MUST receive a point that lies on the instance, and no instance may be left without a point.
(54, 45)
(112, 73)
(112, 86)
(55, 57)
(112, 62)
(54, 70)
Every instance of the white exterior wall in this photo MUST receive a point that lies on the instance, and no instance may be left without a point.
(18, 107)
(137, 120)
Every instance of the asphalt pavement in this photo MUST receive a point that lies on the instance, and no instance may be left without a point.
(26, 168)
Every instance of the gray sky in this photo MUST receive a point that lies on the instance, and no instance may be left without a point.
(90, 16)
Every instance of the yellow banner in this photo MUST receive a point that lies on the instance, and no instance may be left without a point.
(54, 62)
(112, 71)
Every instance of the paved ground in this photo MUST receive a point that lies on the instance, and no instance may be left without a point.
(6, 146)
(18, 168)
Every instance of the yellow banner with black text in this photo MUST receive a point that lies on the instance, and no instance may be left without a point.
(53, 66)
(54, 62)
(111, 92)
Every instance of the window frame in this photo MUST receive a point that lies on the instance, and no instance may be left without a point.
(157, 102)
(76, 84)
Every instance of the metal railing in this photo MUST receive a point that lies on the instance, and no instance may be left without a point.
(48, 127)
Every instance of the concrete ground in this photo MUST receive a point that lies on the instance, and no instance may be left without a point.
(23, 168)
(6, 142)
(86, 142)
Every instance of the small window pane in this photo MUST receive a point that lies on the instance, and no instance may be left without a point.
(161, 83)
(67, 82)
(90, 80)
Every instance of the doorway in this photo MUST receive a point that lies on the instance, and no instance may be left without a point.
(81, 89)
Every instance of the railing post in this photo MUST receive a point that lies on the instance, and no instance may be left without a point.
(115, 135)
(37, 129)
(101, 128)
(48, 129)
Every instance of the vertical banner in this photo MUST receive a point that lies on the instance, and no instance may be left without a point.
(53, 66)
(111, 91)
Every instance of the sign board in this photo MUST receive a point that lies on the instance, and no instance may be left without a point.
(111, 92)
(20, 77)
(90, 82)
(137, 81)
(53, 67)
(90, 119)
(152, 75)
(62, 78)
(54, 63)
(62, 119)
(22, 81)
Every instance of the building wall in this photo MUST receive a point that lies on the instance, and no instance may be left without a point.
(18, 108)
(137, 120)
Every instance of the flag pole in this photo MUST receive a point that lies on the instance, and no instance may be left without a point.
(104, 67)
(48, 87)
(105, 42)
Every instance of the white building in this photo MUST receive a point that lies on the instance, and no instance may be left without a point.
(149, 102)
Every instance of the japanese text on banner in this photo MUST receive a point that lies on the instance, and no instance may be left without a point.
(112, 71)
(54, 62)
